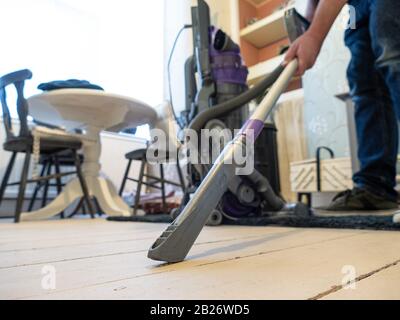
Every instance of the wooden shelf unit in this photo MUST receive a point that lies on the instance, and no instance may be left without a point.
(257, 2)
(262, 69)
(266, 31)
(262, 41)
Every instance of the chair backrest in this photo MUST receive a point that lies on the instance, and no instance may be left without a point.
(18, 80)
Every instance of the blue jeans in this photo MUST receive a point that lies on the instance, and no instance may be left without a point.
(374, 79)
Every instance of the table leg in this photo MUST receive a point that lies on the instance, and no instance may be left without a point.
(91, 166)
(109, 200)
(100, 188)
(70, 194)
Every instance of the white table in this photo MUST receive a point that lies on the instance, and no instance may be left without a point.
(93, 111)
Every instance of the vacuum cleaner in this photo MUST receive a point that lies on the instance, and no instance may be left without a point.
(218, 192)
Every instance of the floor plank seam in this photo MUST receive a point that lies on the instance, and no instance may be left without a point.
(63, 238)
(337, 288)
(97, 284)
(76, 245)
(71, 259)
(115, 254)
(177, 269)
(279, 250)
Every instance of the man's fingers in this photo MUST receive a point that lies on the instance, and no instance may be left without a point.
(301, 68)
(291, 54)
(305, 49)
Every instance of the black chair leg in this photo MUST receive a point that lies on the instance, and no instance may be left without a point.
(37, 187)
(139, 186)
(58, 180)
(98, 208)
(22, 187)
(162, 181)
(7, 176)
(83, 185)
(46, 184)
(83, 207)
(121, 190)
(79, 206)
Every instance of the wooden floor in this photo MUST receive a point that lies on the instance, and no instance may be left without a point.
(106, 260)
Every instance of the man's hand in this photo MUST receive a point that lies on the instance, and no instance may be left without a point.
(306, 49)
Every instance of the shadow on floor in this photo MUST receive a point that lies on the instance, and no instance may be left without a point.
(246, 244)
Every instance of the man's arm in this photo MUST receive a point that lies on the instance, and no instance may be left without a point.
(311, 8)
(307, 47)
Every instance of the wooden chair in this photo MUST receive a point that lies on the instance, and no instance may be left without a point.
(166, 123)
(50, 146)
(149, 180)
(56, 164)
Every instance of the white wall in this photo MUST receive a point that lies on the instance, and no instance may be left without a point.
(176, 14)
(324, 114)
(117, 44)
(113, 162)
(225, 15)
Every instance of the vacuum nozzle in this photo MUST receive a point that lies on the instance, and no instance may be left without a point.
(295, 24)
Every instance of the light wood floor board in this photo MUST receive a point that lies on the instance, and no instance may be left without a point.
(379, 286)
(105, 260)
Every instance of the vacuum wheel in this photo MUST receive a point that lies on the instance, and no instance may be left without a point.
(215, 219)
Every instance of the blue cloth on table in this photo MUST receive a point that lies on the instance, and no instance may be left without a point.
(68, 84)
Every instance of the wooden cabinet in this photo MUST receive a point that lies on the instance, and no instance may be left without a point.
(336, 175)
(263, 36)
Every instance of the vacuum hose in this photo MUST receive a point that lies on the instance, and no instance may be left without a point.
(224, 108)
(264, 188)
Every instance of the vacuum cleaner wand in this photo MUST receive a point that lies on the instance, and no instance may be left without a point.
(175, 243)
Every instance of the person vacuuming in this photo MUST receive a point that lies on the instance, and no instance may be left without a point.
(374, 79)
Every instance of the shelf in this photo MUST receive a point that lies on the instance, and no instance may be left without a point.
(291, 95)
(257, 3)
(263, 69)
(266, 31)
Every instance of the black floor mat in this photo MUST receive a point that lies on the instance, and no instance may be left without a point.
(360, 222)
(151, 218)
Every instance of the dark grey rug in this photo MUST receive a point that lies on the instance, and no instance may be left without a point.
(359, 222)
